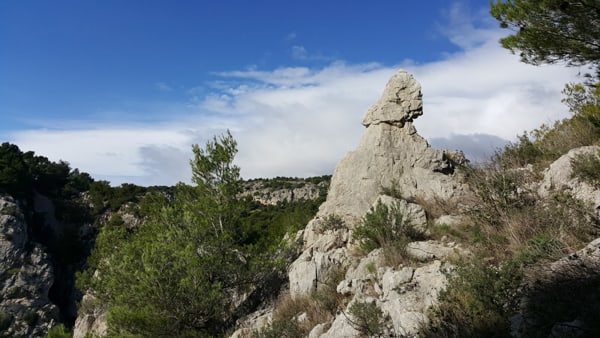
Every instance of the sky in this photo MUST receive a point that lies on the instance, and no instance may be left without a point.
(121, 89)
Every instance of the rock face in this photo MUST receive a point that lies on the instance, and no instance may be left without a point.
(391, 159)
(26, 276)
(391, 155)
(558, 177)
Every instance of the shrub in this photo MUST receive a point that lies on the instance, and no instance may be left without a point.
(385, 227)
(586, 167)
(367, 318)
(31, 318)
(476, 303)
(330, 222)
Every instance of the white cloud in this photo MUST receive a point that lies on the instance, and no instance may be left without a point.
(298, 121)
(163, 87)
(299, 52)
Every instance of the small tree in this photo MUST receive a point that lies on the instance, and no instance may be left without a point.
(178, 273)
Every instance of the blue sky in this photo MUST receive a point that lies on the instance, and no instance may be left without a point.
(122, 88)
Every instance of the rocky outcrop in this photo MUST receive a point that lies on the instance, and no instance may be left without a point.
(26, 276)
(395, 166)
(392, 155)
(558, 177)
(91, 319)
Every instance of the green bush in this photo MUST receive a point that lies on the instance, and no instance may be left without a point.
(477, 302)
(330, 222)
(385, 227)
(367, 318)
(31, 318)
(586, 167)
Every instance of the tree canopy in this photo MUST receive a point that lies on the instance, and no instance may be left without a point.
(187, 270)
(551, 31)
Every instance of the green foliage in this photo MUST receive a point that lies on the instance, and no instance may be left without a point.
(477, 302)
(385, 227)
(586, 167)
(103, 197)
(367, 318)
(392, 190)
(541, 247)
(59, 331)
(14, 171)
(331, 222)
(550, 31)
(176, 275)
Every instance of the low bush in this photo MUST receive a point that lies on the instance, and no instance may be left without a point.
(5, 321)
(477, 302)
(368, 319)
(586, 167)
(330, 222)
(385, 227)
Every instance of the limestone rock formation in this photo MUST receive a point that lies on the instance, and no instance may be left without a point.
(26, 276)
(395, 166)
(391, 155)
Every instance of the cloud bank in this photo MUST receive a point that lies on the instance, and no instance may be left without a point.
(298, 121)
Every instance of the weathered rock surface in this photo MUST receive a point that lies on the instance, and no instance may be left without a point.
(391, 158)
(558, 177)
(91, 319)
(391, 155)
(26, 276)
